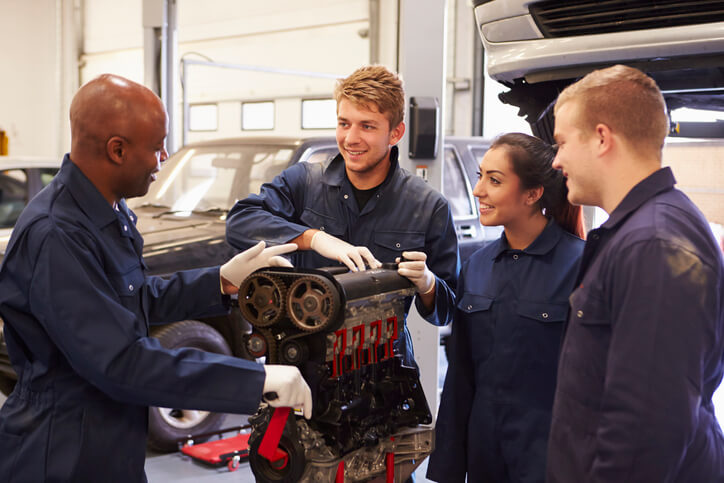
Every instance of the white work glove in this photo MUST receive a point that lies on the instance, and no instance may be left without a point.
(284, 386)
(256, 257)
(336, 249)
(415, 269)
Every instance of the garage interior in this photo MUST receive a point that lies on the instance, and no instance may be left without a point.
(244, 69)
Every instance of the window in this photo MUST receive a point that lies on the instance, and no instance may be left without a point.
(204, 117)
(319, 155)
(212, 178)
(319, 114)
(455, 187)
(257, 115)
(13, 196)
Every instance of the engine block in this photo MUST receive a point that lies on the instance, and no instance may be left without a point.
(339, 328)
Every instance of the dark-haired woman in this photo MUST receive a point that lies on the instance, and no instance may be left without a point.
(510, 305)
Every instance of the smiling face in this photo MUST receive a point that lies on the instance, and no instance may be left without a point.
(143, 150)
(576, 157)
(500, 197)
(364, 138)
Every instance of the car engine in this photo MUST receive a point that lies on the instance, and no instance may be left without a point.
(339, 328)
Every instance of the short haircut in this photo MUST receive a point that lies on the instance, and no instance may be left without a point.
(376, 85)
(626, 100)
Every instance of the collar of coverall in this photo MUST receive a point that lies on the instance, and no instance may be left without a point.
(657, 182)
(544, 243)
(86, 195)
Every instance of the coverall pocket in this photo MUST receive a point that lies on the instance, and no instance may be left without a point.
(128, 287)
(587, 308)
(322, 222)
(393, 243)
(543, 311)
(475, 312)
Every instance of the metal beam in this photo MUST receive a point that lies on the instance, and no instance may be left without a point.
(421, 60)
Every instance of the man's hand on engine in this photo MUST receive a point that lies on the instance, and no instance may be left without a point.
(284, 386)
(336, 249)
(238, 268)
(413, 267)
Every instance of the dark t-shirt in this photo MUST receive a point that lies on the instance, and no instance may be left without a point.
(363, 196)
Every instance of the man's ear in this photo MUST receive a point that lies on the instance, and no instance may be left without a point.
(604, 138)
(116, 149)
(397, 133)
(533, 195)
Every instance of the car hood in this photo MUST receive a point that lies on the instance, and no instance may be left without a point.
(173, 243)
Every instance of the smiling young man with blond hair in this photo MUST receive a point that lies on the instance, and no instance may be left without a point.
(362, 209)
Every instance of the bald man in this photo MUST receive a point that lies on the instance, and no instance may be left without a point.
(77, 304)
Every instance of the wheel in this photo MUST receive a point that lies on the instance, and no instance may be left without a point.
(167, 425)
(288, 469)
(6, 385)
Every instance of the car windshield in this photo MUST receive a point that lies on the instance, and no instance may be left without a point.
(210, 179)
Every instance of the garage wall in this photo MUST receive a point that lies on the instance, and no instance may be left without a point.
(326, 36)
(699, 172)
(37, 68)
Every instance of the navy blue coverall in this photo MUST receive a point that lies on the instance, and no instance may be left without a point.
(496, 403)
(77, 305)
(405, 214)
(643, 348)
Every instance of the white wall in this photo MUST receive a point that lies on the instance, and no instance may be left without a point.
(34, 76)
(317, 36)
(43, 68)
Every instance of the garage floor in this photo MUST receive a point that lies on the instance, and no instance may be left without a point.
(163, 468)
(176, 467)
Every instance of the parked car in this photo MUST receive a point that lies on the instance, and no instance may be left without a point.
(20, 179)
(536, 48)
(183, 221)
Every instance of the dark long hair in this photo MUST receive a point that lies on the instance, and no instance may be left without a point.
(532, 161)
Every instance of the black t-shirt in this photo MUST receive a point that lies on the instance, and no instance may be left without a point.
(363, 196)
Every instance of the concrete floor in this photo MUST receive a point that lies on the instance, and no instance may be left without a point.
(176, 467)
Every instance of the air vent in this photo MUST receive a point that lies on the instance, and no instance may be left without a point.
(568, 18)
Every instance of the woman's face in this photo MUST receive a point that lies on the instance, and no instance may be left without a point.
(500, 197)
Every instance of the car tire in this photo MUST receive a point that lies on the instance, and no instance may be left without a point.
(166, 426)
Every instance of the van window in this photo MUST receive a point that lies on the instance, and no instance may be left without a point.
(13, 196)
(454, 186)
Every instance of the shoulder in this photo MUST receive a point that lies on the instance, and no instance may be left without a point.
(482, 257)
(671, 221)
(570, 243)
(416, 189)
(302, 171)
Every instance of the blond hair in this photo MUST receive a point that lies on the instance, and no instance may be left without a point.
(376, 85)
(626, 100)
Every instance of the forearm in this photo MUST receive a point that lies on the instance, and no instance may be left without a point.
(441, 309)
(304, 241)
(185, 295)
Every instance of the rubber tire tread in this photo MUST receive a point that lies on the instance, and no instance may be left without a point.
(188, 333)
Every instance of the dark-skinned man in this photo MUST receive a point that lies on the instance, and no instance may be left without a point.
(77, 304)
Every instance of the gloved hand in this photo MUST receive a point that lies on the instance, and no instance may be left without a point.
(415, 269)
(336, 249)
(238, 268)
(284, 386)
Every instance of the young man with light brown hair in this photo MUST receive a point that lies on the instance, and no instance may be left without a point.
(362, 209)
(642, 351)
